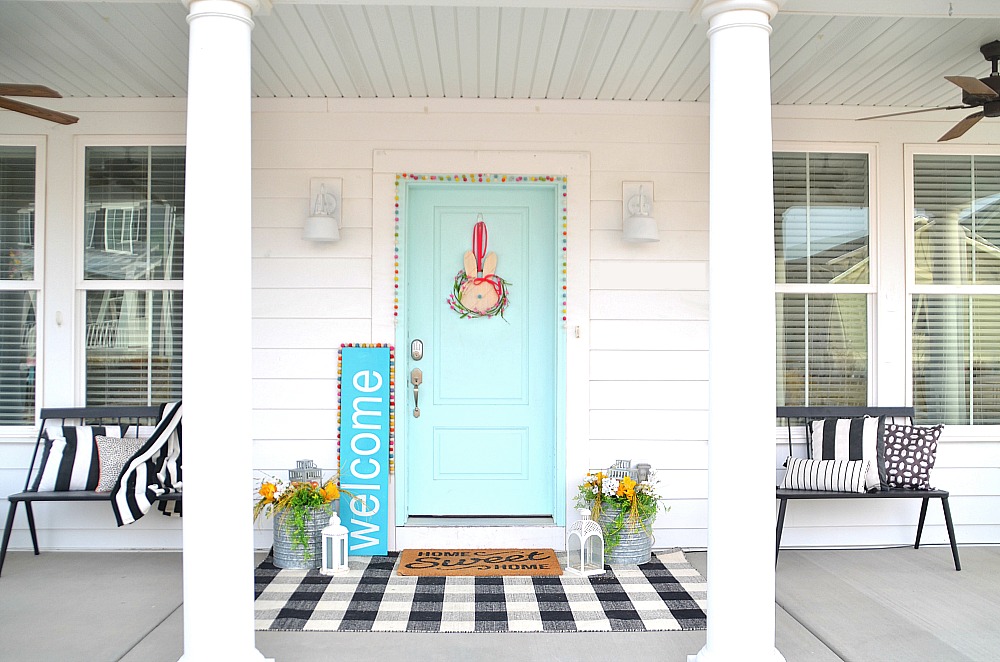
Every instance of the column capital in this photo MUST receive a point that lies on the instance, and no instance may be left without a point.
(218, 6)
(712, 8)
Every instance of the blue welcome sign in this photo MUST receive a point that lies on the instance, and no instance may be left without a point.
(365, 435)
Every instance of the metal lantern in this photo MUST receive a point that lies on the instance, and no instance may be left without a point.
(304, 472)
(588, 558)
(334, 561)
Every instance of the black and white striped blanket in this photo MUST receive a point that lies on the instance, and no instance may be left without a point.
(666, 593)
(153, 471)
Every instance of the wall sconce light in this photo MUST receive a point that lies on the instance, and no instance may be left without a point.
(637, 203)
(324, 223)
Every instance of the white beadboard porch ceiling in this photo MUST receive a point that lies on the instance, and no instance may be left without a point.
(343, 50)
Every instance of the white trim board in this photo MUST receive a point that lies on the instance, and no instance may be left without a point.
(576, 167)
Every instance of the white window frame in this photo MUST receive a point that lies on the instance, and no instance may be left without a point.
(18, 432)
(83, 286)
(911, 287)
(874, 254)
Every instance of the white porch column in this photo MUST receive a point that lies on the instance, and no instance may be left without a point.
(218, 449)
(741, 511)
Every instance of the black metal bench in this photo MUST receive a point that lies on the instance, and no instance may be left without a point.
(808, 414)
(125, 416)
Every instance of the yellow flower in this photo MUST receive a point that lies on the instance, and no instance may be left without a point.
(267, 491)
(626, 487)
(330, 492)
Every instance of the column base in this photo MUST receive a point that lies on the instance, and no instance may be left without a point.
(705, 656)
(246, 655)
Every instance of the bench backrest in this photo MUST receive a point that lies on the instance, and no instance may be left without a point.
(124, 416)
(806, 415)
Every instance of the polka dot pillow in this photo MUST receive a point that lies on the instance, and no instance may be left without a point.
(910, 452)
(115, 452)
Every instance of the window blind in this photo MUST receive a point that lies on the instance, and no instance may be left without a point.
(822, 349)
(133, 346)
(17, 298)
(956, 231)
(821, 240)
(134, 213)
(821, 224)
(956, 358)
(955, 328)
(133, 263)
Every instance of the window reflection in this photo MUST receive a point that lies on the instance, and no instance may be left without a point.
(134, 231)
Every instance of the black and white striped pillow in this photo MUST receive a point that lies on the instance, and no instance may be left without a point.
(852, 439)
(826, 475)
(70, 460)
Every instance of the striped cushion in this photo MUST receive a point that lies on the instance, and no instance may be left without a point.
(852, 439)
(69, 458)
(827, 475)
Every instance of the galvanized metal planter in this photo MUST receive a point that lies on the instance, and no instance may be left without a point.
(635, 540)
(287, 554)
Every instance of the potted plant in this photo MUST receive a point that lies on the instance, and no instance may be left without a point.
(300, 510)
(626, 510)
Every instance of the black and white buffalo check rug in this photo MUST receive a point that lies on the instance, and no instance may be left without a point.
(666, 593)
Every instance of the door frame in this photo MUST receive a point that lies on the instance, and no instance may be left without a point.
(573, 440)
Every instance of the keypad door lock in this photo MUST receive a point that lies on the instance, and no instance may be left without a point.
(416, 349)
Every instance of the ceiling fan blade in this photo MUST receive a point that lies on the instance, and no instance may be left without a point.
(912, 112)
(18, 90)
(973, 86)
(963, 126)
(36, 111)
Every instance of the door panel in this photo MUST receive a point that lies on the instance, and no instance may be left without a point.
(485, 441)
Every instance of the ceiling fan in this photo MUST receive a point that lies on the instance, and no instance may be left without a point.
(976, 93)
(19, 90)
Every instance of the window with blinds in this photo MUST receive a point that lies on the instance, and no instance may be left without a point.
(955, 294)
(822, 277)
(133, 265)
(18, 289)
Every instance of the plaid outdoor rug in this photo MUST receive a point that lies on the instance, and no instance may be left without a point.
(665, 594)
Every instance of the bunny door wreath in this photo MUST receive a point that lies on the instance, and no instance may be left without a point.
(478, 290)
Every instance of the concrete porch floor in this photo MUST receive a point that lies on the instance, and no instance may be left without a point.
(853, 605)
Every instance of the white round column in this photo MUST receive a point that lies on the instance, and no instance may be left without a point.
(218, 442)
(741, 510)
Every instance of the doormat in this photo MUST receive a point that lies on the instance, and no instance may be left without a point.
(479, 563)
(666, 593)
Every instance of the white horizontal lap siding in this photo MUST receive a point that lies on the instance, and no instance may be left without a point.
(649, 322)
(655, 295)
(648, 357)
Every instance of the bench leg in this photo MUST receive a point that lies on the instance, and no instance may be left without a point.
(920, 522)
(951, 531)
(782, 503)
(31, 526)
(6, 532)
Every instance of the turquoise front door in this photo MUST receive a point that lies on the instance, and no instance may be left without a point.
(485, 440)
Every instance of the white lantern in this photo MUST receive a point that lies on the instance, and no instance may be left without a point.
(588, 558)
(334, 561)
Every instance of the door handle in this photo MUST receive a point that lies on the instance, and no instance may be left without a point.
(416, 378)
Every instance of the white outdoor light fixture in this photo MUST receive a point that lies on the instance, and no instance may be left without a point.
(334, 548)
(637, 225)
(324, 223)
(589, 558)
